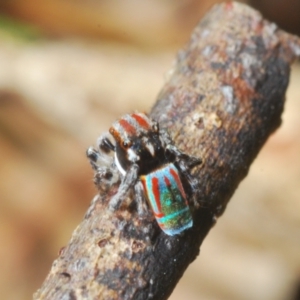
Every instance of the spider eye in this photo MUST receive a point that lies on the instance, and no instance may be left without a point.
(126, 144)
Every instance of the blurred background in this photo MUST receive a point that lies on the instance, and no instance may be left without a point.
(67, 70)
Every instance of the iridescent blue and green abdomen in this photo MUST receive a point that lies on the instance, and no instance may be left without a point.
(167, 198)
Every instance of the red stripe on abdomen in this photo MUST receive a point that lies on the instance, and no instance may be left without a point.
(155, 190)
(178, 181)
(167, 181)
(143, 180)
(160, 215)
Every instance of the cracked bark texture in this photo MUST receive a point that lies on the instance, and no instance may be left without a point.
(223, 98)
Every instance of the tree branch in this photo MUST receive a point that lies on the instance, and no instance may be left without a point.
(224, 98)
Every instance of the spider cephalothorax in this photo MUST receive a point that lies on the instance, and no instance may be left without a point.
(137, 142)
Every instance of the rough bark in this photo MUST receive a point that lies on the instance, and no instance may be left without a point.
(224, 97)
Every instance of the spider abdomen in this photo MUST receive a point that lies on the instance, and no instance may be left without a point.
(167, 198)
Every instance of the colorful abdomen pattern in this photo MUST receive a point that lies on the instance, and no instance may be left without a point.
(167, 199)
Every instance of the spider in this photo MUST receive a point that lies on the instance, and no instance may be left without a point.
(149, 163)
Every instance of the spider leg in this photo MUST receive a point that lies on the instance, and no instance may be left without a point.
(105, 144)
(164, 135)
(128, 182)
(101, 155)
(93, 156)
(140, 198)
(105, 175)
(185, 164)
(190, 161)
(185, 170)
(102, 163)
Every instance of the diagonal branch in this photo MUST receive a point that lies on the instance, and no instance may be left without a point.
(223, 99)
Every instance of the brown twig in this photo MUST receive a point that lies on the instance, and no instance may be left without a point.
(224, 98)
